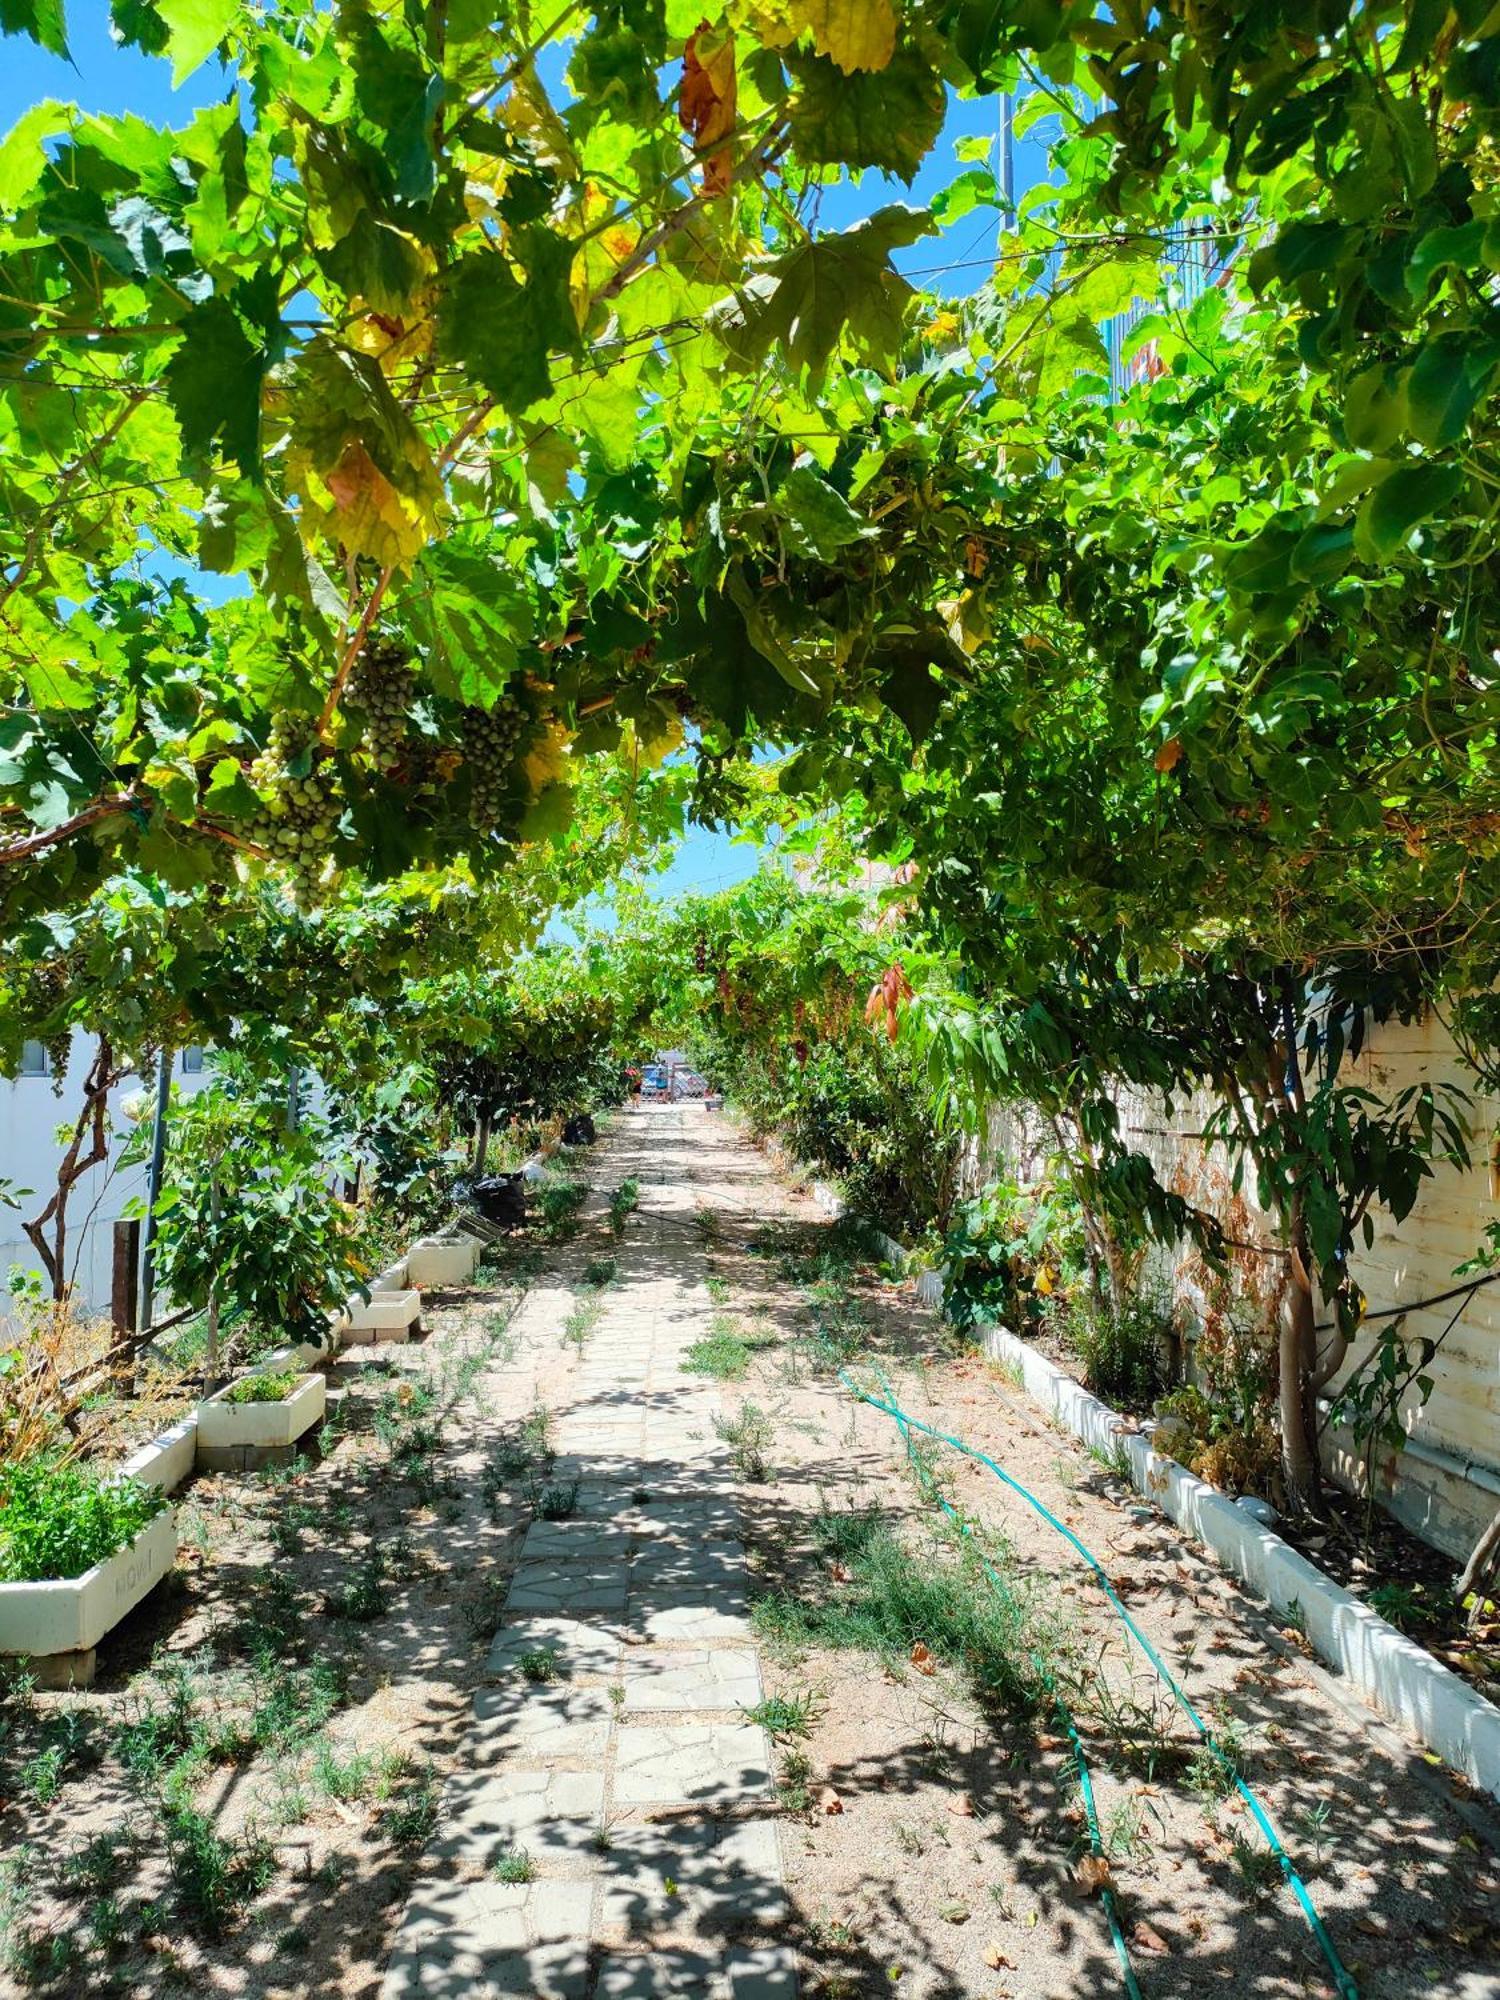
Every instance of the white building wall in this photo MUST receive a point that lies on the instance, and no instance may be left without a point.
(1446, 1483)
(31, 1112)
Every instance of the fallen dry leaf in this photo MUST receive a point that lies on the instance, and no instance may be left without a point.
(922, 1660)
(1093, 1874)
(963, 1805)
(996, 1960)
(829, 1801)
(1148, 1939)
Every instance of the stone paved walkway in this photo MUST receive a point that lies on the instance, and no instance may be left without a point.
(633, 1781)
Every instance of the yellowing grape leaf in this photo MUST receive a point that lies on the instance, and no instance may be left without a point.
(706, 105)
(856, 34)
(363, 473)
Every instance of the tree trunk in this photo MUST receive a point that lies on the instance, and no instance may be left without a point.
(1482, 1570)
(481, 1142)
(92, 1124)
(211, 1379)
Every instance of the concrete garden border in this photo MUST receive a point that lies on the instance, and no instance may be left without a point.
(57, 1624)
(238, 1437)
(1392, 1672)
(383, 1316)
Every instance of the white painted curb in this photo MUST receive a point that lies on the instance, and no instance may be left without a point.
(1391, 1671)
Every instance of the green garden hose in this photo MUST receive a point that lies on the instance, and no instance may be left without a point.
(906, 1424)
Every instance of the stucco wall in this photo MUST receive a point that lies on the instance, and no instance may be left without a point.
(1446, 1485)
(30, 1114)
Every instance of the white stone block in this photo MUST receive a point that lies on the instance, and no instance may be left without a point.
(264, 1425)
(383, 1316)
(441, 1260)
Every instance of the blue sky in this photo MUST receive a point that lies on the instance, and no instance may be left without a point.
(103, 77)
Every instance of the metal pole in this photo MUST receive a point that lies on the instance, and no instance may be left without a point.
(153, 1184)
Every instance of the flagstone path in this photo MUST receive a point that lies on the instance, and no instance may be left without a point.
(632, 1783)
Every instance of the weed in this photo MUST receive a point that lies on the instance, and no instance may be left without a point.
(514, 1865)
(1312, 1822)
(617, 1697)
(601, 1840)
(599, 1272)
(748, 1434)
(212, 1877)
(1401, 1604)
(1125, 1349)
(725, 1352)
(1214, 1767)
(1124, 1830)
(1115, 1458)
(786, 1715)
(794, 1781)
(1257, 1867)
(411, 1816)
(555, 1503)
(717, 1289)
(581, 1322)
(538, 1665)
(627, 1196)
(365, 1597)
(340, 1775)
(560, 1198)
(891, 1598)
(99, 1865)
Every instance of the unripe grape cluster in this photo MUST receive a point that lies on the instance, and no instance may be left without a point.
(299, 812)
(382, 685)
(490, 739)
(49, 989)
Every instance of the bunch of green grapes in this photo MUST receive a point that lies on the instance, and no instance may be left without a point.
(300, 803)
(490, 739)
(49, 989)
(382, 685)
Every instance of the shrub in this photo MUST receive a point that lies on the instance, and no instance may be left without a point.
(1125, 1350)
(58, 1518)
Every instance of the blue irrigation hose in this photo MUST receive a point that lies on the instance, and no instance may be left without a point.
(1085, 1782)
(1342, 1980)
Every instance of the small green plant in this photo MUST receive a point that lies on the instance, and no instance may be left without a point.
(581, 1322)
(212, 1877)
(717, 1289)
(59, 1518)
(1214, 1768)
(785, 1716)
(365, 1597)
(513, 1866)
(538, 1665)
(1125, 1349)
(748, 1434)
(274, 1388)
(725, 1352)
(560, 1198)
(599, 1272)
(1257, 1867)
(411, 1816)
(556, 1503)
(1403, 1605)
(794, 1781)
(626, 1197)
(341, 1774)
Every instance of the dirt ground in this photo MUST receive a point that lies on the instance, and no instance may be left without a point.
(932, 1847)
(939, 1850)
(274, 1601)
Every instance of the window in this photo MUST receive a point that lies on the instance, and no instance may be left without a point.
(192, 1060)
(34, 1059)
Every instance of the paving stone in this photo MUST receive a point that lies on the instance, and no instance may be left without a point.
(655, 1680)
(766, 1973)
(639, 1978)
(576, 1541)
(559, 1971)
(578, 1590)
(580, 1648)
(550, 1721)
(554, 1815)
(727, 1876)
(690, 1762)
(435, 1971)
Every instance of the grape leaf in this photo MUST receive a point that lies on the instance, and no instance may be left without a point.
(214, 383)
(886, 118)
(808, 298)
(503, 332)
(43, 20)
(23, 156)
(855, 34)
(195, 30)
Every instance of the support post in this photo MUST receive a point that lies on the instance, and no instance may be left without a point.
(124, 1286)
(153, 1185)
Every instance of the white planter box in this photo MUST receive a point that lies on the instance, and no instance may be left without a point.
(71, 1615)
(167, 1460)
(441, 1260)
(264, 1425)
(383, 1316)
